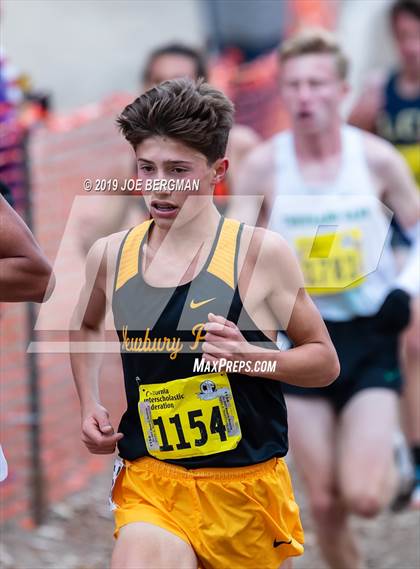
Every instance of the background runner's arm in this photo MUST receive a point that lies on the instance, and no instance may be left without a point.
(402, 196)
(105, 217)
(409, 277)
(88, 320)
(24, 270)
(367, 107)
(250, 187)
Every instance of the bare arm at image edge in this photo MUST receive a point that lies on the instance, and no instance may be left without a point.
(25, 273)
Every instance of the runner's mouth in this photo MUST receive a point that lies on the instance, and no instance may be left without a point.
(163, 210)
(163, 206)
(305, 115)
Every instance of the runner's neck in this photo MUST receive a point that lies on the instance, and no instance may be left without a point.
(189, 235)
(318, 146)
(408, 84)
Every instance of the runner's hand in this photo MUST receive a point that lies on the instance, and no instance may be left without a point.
(97, 432)
(224, 340)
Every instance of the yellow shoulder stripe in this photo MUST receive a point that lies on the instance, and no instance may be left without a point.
(222, 264)
(129, 260)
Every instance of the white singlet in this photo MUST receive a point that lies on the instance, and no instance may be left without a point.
(339, 230)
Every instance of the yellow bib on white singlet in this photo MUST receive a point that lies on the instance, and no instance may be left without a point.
(331, 262)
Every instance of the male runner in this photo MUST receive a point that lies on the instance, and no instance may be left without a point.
(178, 60)
(202, 477)
(24, 270)
(390, 107)
(320, 181)
(167, 62)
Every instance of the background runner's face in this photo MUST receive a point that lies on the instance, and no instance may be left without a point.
(166, 67)
(312, 91)
(162, 158)
(407, 37)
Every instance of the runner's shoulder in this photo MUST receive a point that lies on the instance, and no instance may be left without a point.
(381, 155)
(103, 254)
(262, 157)
(242, 139)
(269, 254)
(376, 81)
(262, 244)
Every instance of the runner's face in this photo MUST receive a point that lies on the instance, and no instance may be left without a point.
(407, 37)
(312, 91)
(171, 66)
(168, 160)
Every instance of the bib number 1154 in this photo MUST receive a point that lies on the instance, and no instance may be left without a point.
(189, 417)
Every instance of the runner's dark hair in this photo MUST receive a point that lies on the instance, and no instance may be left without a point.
(176, 49)
(193, 112)
(411, 7)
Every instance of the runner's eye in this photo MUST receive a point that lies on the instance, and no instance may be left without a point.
(146, 169)
(179, 170)
(317, 84)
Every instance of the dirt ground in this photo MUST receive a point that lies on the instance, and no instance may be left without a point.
(78, 535)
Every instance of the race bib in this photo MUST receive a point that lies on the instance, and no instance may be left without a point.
(195, 416)
(331, 262)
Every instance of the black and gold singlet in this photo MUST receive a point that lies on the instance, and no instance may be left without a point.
(176, 412)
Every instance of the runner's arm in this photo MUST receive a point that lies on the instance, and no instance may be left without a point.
(400, 192)
(24, 270)
(401, 195)
(366, 109)
(313, 361)
(242, 141)
(250, 188)
(86, 328)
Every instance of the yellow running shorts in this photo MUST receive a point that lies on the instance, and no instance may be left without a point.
(241, 518)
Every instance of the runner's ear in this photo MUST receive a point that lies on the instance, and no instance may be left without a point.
(220, 168)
